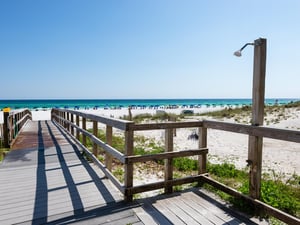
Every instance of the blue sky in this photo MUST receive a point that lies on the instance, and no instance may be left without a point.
(145, 49)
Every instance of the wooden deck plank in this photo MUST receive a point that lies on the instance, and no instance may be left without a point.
(164, 210)
(208, 207)
(208, 214)
(219, 209)
(180, 202)
(51, 180)
(150, 214)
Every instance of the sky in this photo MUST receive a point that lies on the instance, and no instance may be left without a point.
(110, 49)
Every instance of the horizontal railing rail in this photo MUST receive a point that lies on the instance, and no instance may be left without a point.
(65, 118)
(259, 131)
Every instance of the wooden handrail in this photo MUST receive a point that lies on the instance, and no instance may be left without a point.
(64, 117)
(117, 123)
(128, 159)
(164, 155)
(166, 125)
(260, 131)
(13, 123)
(109, 149)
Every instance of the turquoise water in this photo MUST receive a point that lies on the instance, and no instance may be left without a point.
(120, 103)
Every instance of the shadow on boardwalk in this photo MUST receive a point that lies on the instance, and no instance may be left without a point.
(51, 180)
(40, 209)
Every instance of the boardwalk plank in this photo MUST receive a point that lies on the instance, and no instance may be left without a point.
(147, 209)
(49, 181)
(186, 207)
(177, 210)
(208, 214)
(169, 213)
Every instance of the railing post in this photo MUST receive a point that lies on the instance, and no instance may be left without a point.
(5, 129)
(95, 132)
(84, 128)
(68, 124)
(19, 116)
(258, 96)
(77, 124)
(61, 118)
(202, 159)
(108, 157)
(72, 121)
(65, 117)
(11, 128)
(168, 162)
(14, 126)
(61, 114)
(128, 179)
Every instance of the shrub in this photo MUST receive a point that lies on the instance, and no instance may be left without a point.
(226, 170)
(185, 164)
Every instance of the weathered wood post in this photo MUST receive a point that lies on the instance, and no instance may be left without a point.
(128, 180)
(84, 128)
(77, 124)
(108, 157)
(129, 113)
(64, 120)
(202, 143)
(95, 133)
(258, 99)
(5, 128)
(68, 123)
(168, 162)
(72, 121)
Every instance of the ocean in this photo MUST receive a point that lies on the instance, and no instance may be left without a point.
(120, 103)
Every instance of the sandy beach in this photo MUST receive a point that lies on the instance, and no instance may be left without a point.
(280, 157)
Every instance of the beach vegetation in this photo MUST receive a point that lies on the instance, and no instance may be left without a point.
(275, 192)
(118, 172)
(236, 113)
(185, 164)
(160, 116)
(3, 152)
(243, 114)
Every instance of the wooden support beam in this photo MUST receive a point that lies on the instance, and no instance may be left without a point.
(84, 128)
(164, 155)
(258, 99)
(202, 159)
(95, 133)
(72, 121)
(77, 124)
(128, 179)
(168, 162)
(68, 118)
(5, 130)
(108, 157)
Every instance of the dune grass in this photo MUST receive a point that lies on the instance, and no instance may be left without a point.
(3, 151)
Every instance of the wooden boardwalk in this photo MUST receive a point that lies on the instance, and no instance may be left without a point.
(45, 180)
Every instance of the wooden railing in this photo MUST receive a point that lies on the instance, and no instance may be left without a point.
(66, 119)
(13, 123)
